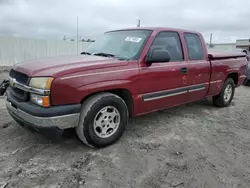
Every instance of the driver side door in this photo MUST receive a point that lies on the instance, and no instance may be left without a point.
(163, 84)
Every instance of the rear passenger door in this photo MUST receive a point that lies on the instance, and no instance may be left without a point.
(198, 67)
(161, 84)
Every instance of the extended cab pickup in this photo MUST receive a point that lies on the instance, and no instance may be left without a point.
(124, 73)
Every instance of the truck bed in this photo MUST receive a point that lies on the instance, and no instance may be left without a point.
(224, 63)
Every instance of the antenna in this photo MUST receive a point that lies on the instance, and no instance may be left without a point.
(77, 35)
(139, 23)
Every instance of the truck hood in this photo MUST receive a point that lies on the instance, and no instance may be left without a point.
(58, 66)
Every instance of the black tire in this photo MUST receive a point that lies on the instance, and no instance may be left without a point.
(90, 108)
(247, 82)
(219, 100)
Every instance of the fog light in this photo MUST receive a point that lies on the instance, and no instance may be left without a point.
(40, 100)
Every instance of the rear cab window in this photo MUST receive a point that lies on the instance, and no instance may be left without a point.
(170, 41)
(194, 46)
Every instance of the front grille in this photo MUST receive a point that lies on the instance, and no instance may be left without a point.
(20, 77)
(23, 79)
(19, 94)
(18, 91)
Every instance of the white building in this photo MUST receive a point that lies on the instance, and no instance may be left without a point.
(243, 43)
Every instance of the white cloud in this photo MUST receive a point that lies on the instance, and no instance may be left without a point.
(226, 19)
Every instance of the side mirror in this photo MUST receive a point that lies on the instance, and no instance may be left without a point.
(158, 56)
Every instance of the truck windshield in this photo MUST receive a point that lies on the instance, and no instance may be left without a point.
(125, 44)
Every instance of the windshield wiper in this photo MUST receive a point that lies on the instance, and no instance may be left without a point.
(85, 53)
(109, 55)
(104, 54)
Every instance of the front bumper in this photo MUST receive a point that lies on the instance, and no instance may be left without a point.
(61, 117)
(51, 132)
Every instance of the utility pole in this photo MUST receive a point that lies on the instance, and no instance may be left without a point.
(248, 45)
(77, 35)
(210, 42)
(139, 23)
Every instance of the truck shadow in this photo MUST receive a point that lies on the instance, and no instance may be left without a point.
(185, 110)
(69, 140)
(137, 122)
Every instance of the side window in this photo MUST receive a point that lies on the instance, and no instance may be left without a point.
(194, 46)
(169, 41)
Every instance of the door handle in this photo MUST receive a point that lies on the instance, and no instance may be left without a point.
(184, 70)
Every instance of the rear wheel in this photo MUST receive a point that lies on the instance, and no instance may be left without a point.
(103, 119)
(226, 94)
(247, 82)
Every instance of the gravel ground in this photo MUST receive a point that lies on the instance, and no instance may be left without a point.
(3, 74)
(194, 145)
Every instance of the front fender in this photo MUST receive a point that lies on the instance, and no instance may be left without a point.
(88, 89)
(68, 94)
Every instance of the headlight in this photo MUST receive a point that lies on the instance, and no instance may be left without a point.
(40, 100)
(41, 82)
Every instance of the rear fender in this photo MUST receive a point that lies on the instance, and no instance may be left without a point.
(241, 76)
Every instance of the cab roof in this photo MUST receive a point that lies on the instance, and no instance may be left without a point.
(157, 29)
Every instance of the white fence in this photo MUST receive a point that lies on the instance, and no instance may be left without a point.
(14, 50)
(226, 46)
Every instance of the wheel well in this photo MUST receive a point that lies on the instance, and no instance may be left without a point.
(123, 93)
(234, 76)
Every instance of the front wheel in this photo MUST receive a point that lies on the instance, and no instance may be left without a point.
(226, 94)
(103, 119)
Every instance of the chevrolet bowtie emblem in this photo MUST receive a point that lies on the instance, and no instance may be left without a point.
(12, 82)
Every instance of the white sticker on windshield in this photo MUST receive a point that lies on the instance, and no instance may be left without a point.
(133, 39)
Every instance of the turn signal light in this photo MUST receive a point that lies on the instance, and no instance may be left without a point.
(43, 101)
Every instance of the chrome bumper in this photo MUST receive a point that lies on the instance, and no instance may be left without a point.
(62, 122)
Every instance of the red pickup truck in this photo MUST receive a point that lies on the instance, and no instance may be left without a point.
(124, 73)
